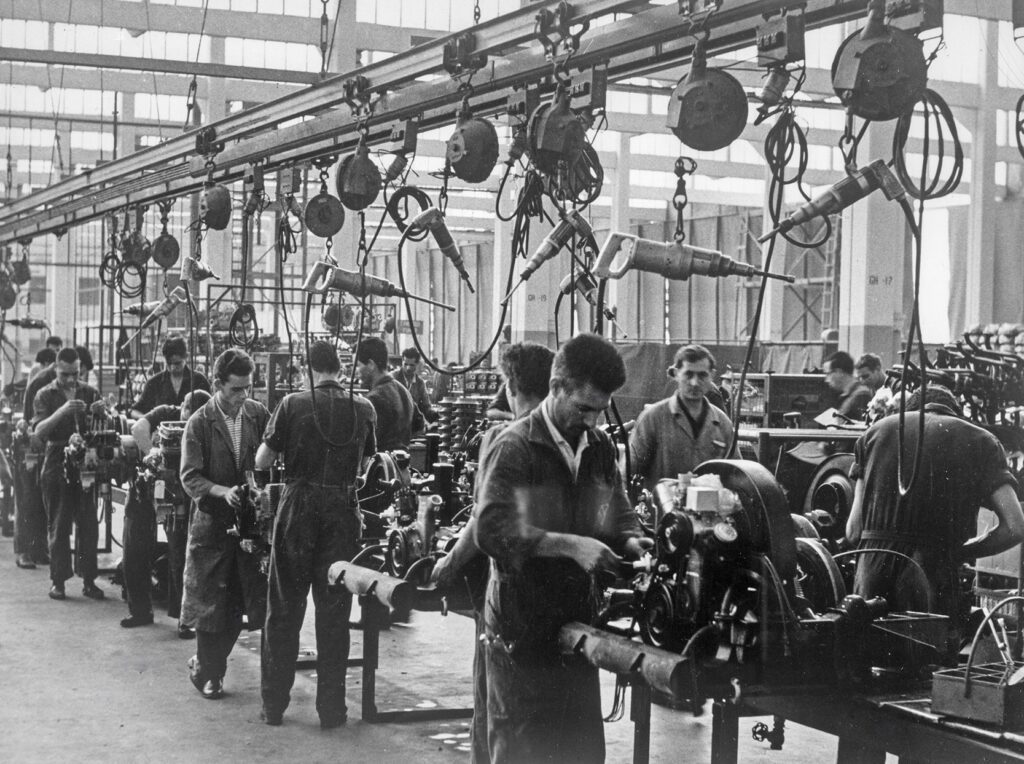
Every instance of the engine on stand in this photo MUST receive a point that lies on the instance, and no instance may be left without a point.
(733, 586)
(254, 519)
(98, 457)
(413, 517)
(159, 475)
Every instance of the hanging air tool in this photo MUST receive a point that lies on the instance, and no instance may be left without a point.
(166, 249)
(325, 277)
(572, 222)
(215, 206)
(136, 247)
(623, 252)
(587, 288)
(472, 149)
(28, 323)
(880, 72)
(161, 310)
(358, 181)
(432, 219)
(195, 270)
(8, 294)
(20, 271)
(324, 215)
(708, 108)
(838, 197)
(555, 133)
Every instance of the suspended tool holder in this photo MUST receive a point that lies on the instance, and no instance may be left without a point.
(324, 278)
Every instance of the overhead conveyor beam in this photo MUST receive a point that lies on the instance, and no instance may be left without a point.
(165, 66)
(643, 43)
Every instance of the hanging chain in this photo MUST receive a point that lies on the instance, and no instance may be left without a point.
(442, 197)
(323, 39)
(476, 12)
(190, 102)
(362, 252)
(8, 193)
(325, 174)
(848, 144)
(165, 213)
(684, 166)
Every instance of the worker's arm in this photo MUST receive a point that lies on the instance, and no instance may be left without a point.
(143, 435)
(855, 522)
(1010, 531)
(503, 528)
(265, 457)
(193, 463)
(47, 421)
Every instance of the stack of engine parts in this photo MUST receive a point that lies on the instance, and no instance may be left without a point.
(748, 592)
(413, 518)
(990, 382)
(254, 519)
(160, 473)
(457, 420)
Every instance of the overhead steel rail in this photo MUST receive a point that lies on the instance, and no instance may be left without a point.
(646, 42)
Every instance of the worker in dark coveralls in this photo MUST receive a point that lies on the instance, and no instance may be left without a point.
(854, 395)
(408, 376)
(325, 437)
(962, 468)
(65, 408)
(674, 435)
(526, 367)
(223, 582)
(397, 415)
(551, 512)
(170, 386)
(138, 540)
(30, 523)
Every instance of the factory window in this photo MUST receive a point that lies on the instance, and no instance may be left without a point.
(271, 54)
(34, 166)
(161, 107)
(959, 62)
(659, 104)
(367, 57)
(606, 140)
(659, 144)
(21, 136)
(1011, 66)
(821, 45)
(442, 15)
(91, 140)
(15, 33)
(652, 179)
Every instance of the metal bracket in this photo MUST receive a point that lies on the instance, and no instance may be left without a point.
(588, 90)
(554, 29)
(521, 103)
(406, 132)
(914, 15)
(207, 144)
(354, 93)
(780, 40)
(699, 11)
(460, 58)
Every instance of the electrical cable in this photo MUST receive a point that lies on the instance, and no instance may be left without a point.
(785, 141)
(936, 111)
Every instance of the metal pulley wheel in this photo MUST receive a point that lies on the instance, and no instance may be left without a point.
(358, 182)
(137, 247)
(324, 216)
(666, 610)
(166, 251)
(818, 579)
(831, 491)
(764, 522)
(215, 206)
(337, 317)
(708, 107)
(20, 271)
(472, 150)
(555, 134)
(879, 72)
(8, 292)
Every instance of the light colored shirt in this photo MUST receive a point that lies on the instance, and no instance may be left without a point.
(234, 425)
(572, 457)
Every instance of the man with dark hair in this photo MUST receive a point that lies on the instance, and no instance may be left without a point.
(64, 409)
(869, 371)
(55, 343)
(675, 435)
(854, 397)
(325, 438)
(170, 386)
(139, 534)
(527, 370)
(550, 503)
(222, 580)
(397, 415)
(45, 359)
(408, 376)
(962, 468)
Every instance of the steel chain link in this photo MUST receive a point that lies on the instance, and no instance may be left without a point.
(323, 38)
(684, 166)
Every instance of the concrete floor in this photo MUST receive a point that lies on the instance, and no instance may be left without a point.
(74, 686)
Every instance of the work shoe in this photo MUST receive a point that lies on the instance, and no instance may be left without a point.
(213, 689)
(93, 592)
(24, 562)
(57, 592)
(136, 620)
(184, 632)
(194, 674)
(271, 718)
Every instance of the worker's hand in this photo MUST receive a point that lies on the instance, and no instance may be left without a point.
(233, 496)
(443, 573)
(636, 546)
(72, 407)
(98, 408)
(592, 555)
(22, 426)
